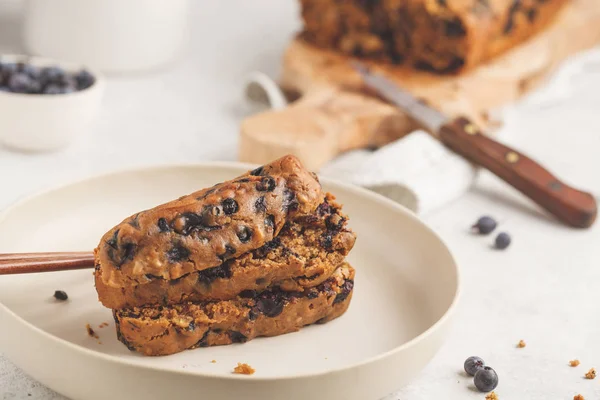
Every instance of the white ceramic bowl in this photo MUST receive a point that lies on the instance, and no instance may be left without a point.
(38, 122)
(109, 35)
(405, 293)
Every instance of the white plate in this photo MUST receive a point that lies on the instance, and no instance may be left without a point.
(405, 292)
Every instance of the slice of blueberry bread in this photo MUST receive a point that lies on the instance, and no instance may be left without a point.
(440, 36)
(303, 255)
(206, 228)
(156, 331)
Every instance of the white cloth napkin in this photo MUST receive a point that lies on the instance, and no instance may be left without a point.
(418, 171)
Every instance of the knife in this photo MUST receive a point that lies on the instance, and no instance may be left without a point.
(569, 205)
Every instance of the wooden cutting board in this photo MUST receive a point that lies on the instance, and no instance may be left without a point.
(331, 114)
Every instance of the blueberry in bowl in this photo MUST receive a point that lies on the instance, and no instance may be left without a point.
(46, 103)
(26, 78)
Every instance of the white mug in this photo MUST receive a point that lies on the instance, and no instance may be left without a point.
(108, 35)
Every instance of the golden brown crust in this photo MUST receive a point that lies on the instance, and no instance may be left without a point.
(296, 259)
(206, 228)
(441, 36)
(168, 330)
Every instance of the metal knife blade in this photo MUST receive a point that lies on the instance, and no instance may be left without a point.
(427, 116)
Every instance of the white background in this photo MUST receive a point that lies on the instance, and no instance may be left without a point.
(543, 289)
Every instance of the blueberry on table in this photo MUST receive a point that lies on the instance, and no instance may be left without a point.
(473, 364)
(60, 295)
(486, 379)
(485, 225)
(502, 241)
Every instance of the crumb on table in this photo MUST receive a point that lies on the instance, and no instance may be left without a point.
(521, 344)
(578, 397)
(591, 374)
(492, 396)
(213, 361)
(103, 325)
(91, 332)
(243, 369)
(574, 363)
(485, 116)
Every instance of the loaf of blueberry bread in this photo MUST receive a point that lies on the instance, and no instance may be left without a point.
(440, 36)
(206, 228)
(156, 331)
(304, 254)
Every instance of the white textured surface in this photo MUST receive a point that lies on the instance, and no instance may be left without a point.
(542, 289)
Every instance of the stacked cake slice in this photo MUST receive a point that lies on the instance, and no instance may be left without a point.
(260, 255)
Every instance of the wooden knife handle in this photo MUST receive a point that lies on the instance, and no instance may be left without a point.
(569, 205)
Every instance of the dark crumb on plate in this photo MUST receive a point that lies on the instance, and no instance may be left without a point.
(243, 369)
(91, 332)
(103, 325)
(60, 295)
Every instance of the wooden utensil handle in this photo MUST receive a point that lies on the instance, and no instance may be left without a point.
(322, 124)
(24, 263)
(569, 205)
